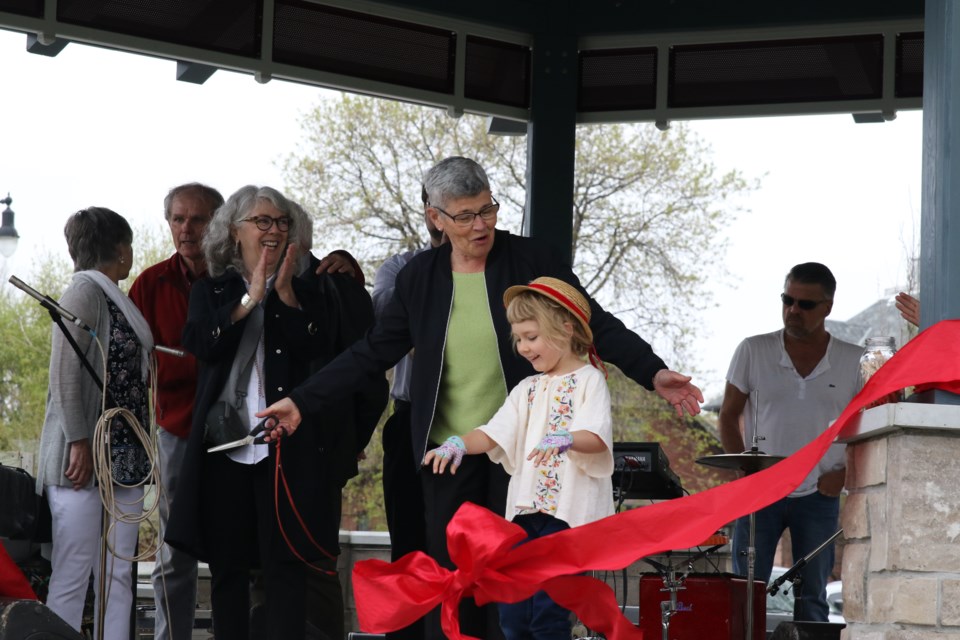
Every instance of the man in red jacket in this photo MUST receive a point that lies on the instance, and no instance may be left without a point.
(162, 293)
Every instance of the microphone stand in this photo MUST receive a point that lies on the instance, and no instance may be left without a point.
(793, 573)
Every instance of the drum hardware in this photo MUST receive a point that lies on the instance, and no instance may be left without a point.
(748, 462)
(673, 583)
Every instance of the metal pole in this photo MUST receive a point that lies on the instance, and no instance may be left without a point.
(751, 558)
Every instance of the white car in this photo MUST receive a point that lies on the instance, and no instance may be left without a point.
(835, 600)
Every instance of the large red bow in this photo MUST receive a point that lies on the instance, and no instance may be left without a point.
(490, 568)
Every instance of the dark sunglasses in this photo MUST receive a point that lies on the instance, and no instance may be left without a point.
(806, 305)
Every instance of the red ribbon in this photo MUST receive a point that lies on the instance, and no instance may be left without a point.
(490, 568)
(13, 584)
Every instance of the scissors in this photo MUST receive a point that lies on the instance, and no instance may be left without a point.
(254, 437)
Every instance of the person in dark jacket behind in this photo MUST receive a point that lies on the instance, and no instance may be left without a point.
(448, 307)
(256, 330)
(350, 315)
(162, 293)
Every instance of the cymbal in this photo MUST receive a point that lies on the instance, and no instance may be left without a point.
(748, 462)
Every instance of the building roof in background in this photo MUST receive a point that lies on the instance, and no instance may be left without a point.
(656, 60)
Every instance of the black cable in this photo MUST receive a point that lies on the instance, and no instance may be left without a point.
(76, 347)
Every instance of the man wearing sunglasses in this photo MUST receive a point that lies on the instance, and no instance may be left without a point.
(786, 387)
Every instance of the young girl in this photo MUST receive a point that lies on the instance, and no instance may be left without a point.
(553, 435)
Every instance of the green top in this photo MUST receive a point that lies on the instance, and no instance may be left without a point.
(472, 386)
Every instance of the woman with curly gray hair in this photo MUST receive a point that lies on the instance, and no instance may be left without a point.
(254, 327)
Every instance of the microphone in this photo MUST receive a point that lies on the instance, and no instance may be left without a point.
(180, 353)
(50, 304)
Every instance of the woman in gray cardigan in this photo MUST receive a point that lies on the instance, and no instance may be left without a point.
(99, 241)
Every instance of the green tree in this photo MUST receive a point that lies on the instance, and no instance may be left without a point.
(648, 215)
(25, 353)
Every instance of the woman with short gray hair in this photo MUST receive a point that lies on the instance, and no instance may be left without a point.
(99, 241)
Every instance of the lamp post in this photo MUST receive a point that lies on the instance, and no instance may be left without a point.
(8, 233)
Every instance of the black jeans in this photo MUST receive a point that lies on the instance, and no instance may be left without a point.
(482, 482)
(403, 498)
(538, 617)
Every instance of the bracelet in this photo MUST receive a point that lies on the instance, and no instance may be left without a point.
(247, 302)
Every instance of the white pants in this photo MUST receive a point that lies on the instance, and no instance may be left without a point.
(76, 520)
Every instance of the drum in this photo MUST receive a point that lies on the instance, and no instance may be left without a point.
(710, 606)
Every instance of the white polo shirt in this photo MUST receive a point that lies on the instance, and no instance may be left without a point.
(791, 410)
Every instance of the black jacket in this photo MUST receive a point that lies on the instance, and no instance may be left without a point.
(417, 318)
(349, 314)
(296, 341)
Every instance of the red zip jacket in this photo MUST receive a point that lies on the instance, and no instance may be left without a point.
(162, 293)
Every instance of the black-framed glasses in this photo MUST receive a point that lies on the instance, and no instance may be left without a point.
(806, 305)
(466, 218)
(265, 222)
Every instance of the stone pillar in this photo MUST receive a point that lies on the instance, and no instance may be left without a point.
(901, 522)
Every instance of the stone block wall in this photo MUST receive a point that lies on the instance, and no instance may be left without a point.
(901, 521)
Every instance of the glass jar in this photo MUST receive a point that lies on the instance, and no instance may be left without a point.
(876, 352)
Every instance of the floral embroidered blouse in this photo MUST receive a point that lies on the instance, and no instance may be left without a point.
(573, 487)
(129, 463)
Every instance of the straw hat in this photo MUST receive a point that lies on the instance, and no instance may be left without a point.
(560, 292)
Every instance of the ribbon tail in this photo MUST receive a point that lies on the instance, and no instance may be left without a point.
(450, 619)
(594, 603)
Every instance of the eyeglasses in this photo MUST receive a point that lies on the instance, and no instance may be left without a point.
(265, 222)
(806, 305)
(466, 219)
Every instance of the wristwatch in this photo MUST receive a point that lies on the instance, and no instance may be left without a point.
(247, 302)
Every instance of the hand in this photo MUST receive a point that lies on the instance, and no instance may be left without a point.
(552, 444)
(285, 276)
(676, 389)
(286, 418)
(830, 484)
(80, 468)
(909, 308)
(450, 452)
(336, 263)
(258, 279)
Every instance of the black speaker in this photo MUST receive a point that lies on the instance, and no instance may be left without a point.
(32, 620)
(808, 631)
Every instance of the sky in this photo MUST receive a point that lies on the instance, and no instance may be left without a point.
(98, 127)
